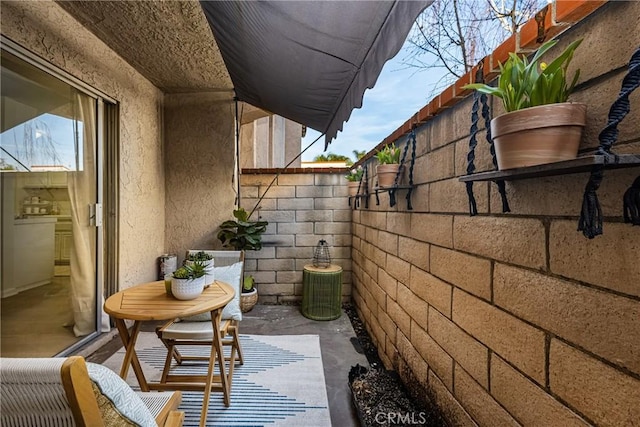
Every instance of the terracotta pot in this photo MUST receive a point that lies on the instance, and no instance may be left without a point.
(387, 174)
(538, 135)
(353, 188)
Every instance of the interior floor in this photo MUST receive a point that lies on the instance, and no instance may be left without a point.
(38, 322)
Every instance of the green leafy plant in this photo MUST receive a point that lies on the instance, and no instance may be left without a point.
(242, 234)
(199, 256)
(355, 175)
(524, 84)
(248, 283)
(390, 154)
(193, 270)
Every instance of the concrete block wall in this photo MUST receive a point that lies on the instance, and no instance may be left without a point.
(301, 208)
(513, 318)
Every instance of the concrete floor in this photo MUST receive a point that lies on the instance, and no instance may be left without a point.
(337, 339)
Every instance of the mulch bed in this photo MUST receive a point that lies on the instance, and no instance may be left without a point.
(379, 395)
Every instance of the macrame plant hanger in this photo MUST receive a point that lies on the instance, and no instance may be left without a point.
(481, 98)
(363, 185)
(590, 222)
(411, 141)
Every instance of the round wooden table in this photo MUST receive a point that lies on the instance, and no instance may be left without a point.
(148, 302)
(322, 292)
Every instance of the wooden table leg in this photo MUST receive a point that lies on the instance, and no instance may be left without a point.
(130, 356)
(216, 354)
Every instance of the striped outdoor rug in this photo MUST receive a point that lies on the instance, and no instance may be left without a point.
(280, 384)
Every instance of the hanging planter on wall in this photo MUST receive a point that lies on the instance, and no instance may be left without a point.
(539, 125)
(387, 170)
(538, 135)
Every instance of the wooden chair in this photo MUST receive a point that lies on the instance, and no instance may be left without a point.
(60, 392)
(197, 330)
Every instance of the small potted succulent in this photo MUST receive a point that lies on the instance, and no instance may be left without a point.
(354, 177)
(188, 281)
(389, 164)
(539, 125)
(207, 260)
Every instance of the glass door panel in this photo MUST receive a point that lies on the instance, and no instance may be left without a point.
(48, 170)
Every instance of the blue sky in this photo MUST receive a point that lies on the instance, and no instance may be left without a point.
(398, 94)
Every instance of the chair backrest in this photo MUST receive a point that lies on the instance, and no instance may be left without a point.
(223, 259)
(60, 392)
(47, 391)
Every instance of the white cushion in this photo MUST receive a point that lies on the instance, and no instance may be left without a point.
(231, 274)
(126, 401)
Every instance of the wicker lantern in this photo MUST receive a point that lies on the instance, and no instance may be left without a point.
(321, 256)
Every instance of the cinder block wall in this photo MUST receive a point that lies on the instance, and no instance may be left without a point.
(301, 208)
(513, 319)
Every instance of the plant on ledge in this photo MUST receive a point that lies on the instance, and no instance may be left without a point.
(355, 175)
(539, 125)
(389, 155)
(242, 234)
(389, 165)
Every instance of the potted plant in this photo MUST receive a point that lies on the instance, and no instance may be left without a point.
(188, 281)
(207, 260)
(539, 125)
(354, 177)
(249, 295)
(389, 164)
(242, 234)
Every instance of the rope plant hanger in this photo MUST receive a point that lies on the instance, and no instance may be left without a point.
(481, 98)
(590, 222)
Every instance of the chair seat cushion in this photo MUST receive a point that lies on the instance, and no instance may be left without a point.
(231, 274)
(190, 331)
(127, 407)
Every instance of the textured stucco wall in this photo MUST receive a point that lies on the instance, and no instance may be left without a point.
(513, 319)
(45, 29)
(199, 145)
(302, 208)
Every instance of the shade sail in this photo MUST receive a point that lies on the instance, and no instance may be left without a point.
(309, 61)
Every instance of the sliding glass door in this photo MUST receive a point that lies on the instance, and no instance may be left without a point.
(50, 216)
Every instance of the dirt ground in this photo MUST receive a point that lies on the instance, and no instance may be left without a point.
(379, 396)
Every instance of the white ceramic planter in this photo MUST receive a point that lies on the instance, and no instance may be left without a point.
(186, 289)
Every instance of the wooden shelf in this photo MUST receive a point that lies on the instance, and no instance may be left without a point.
(578, 165)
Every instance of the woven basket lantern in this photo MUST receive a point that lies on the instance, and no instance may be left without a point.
(321, 256)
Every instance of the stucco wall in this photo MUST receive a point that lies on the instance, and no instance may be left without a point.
(510, 319)
(200, 194)
(301, 208)
(45, 29)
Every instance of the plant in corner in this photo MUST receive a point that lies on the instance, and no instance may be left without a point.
(389, 164)
(539, 125)
(187, 281)
(243, 234)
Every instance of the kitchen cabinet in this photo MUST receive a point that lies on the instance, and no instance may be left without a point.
(31, 259)
(64, 242)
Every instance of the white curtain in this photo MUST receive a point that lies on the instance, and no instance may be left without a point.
(82, 192)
